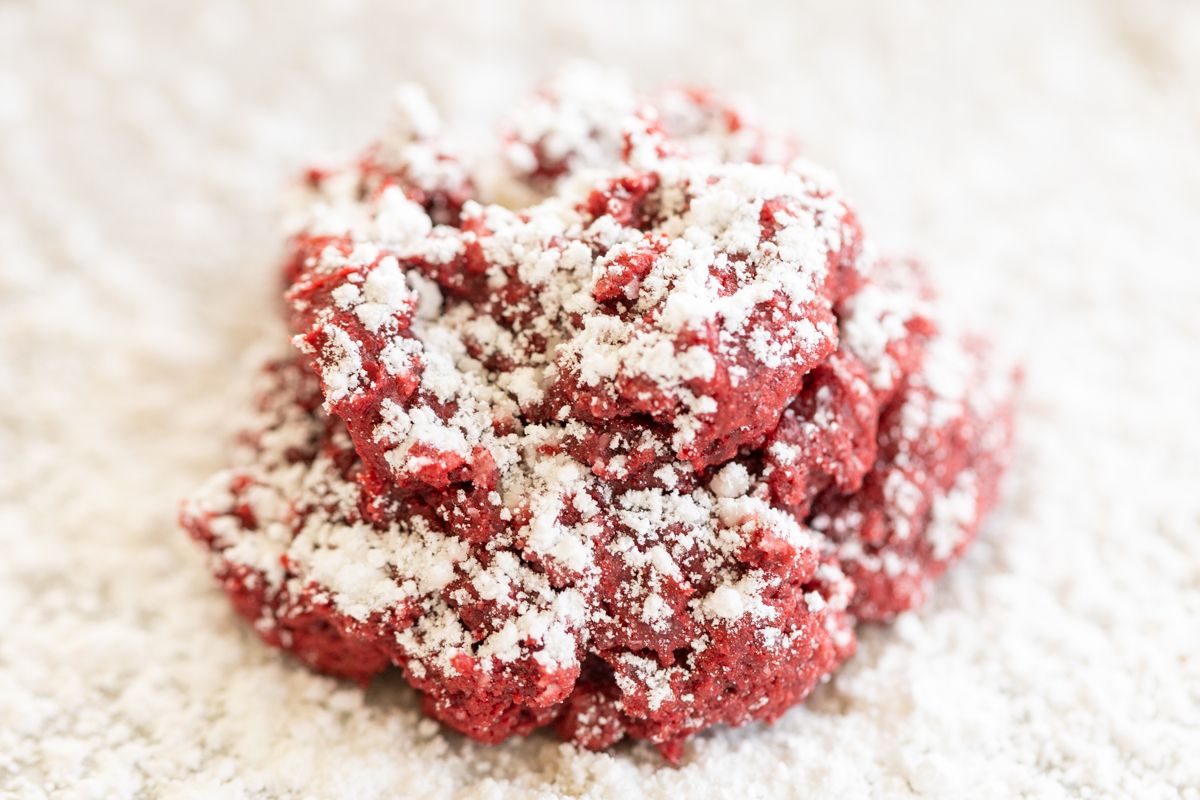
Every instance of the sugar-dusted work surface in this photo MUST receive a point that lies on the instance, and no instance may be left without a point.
(1041, 159)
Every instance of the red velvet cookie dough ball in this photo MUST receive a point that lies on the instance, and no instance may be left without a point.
(628, 459)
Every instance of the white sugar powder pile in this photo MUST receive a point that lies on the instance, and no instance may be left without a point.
(1042, 156)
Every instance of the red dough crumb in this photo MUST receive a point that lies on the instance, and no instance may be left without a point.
(629, 461)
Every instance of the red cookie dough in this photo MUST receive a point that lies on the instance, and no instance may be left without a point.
(628, 461)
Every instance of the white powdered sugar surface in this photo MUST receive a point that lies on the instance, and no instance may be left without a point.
(1042, 160)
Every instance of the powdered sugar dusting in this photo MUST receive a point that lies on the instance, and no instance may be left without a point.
(141, 152)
